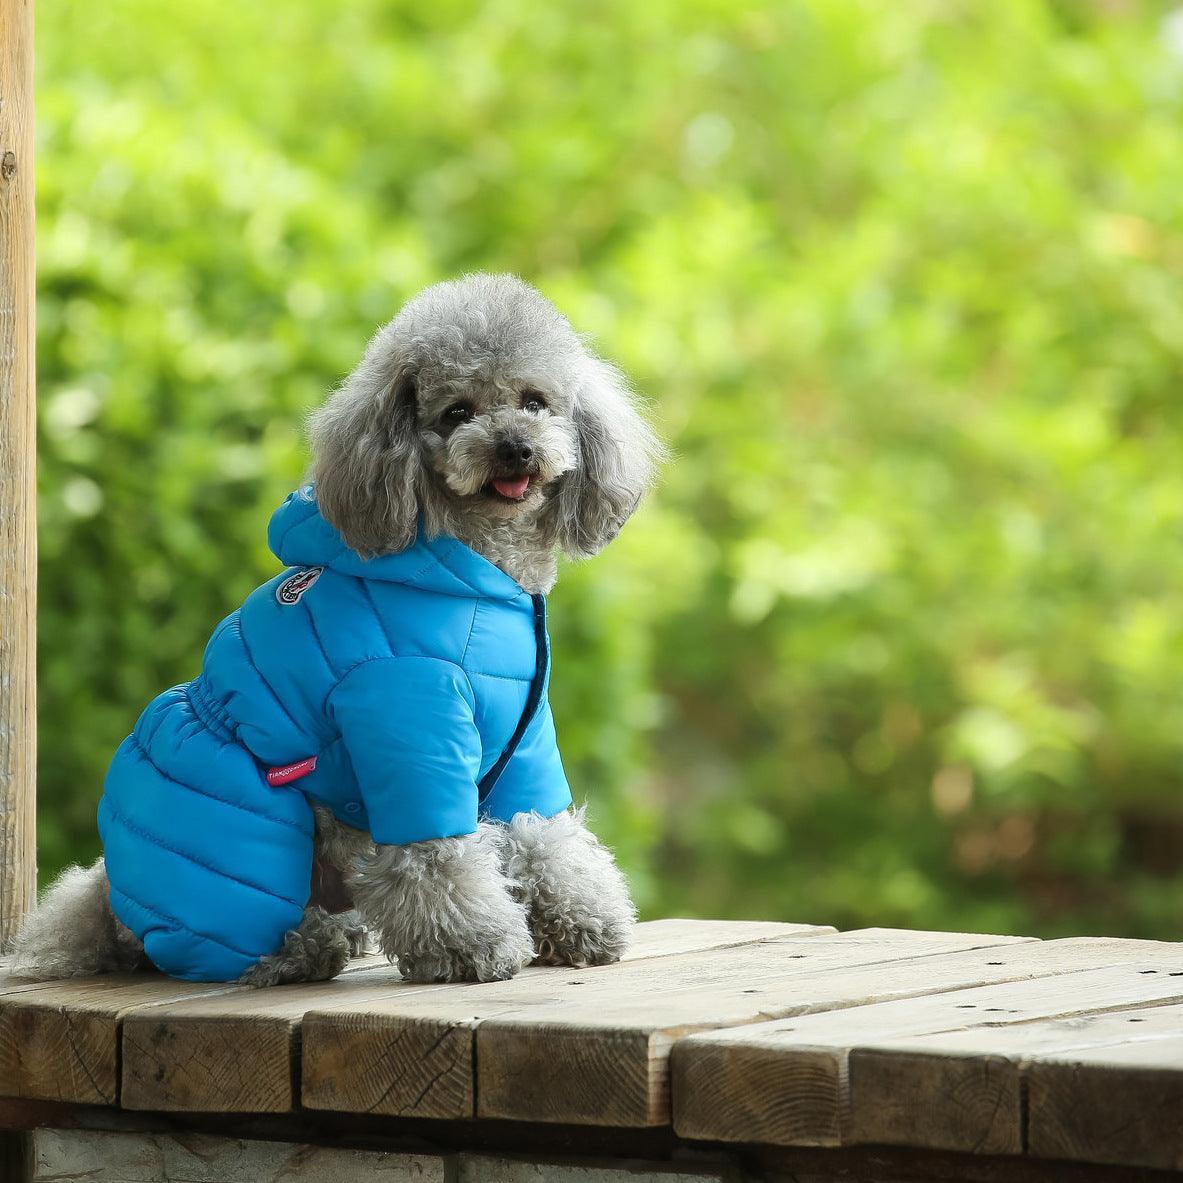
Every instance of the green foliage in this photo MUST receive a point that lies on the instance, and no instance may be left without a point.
(900, 639)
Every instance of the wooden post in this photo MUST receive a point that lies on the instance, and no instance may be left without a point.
(18, 540)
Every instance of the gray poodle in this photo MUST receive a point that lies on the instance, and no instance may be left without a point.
(477, 414)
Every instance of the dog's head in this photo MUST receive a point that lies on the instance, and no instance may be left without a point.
(479, 402)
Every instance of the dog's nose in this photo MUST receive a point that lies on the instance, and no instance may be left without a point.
(514, 451)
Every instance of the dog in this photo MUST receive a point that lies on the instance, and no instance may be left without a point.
(395, 671)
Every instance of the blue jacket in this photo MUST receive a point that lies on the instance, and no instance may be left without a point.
(416, 680)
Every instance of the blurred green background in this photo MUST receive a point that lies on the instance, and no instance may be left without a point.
(900, 639)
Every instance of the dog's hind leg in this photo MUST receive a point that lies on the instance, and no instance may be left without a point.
(578, 902)
(73, 932)
(314, 952)
(331, 930)
(339, 850)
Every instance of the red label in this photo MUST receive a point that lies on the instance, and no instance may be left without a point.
(284, 774)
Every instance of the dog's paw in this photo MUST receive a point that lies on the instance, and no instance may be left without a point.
(491, 961)
(580, 942)
(315, 952)
(580, 911)
(443, 910)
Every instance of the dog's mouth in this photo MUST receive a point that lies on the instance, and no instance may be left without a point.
(509, 488)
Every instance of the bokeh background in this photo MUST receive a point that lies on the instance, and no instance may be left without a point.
(900, 639)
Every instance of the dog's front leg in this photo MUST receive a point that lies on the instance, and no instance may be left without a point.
(578, 902)
(443, 910)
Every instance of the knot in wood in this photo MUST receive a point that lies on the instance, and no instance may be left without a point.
(8, 165)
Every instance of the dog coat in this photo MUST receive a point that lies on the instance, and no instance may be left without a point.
(407, 693)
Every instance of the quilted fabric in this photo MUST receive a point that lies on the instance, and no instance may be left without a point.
(417, 681)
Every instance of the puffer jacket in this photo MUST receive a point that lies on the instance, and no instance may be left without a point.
(407, 693)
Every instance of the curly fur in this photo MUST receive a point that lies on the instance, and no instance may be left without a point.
(578, 902)
(339, 845)
(74, 933)
(443, 909)
(385, 453)
(315, 952)
(389, 450)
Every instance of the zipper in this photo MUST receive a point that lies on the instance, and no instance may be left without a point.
(541, 667)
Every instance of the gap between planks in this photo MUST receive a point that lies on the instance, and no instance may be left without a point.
(541, 1048)
(60, 1040)
(576, 1046)
(950, 1071)
(1090, 1087)
(235, 1052)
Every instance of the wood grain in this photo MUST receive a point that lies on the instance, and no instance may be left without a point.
(60, 1042)
(231, 1050)
(413, 1056)
(565, 1045)
(1120, 1104)
(18, 544)
(586, 1079)
(963, 1090)
(664, 938)
(788, 1083)
(988, 1047)
(234, 1052)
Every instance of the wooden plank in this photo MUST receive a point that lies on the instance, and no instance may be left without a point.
(96, 1156)
(607, 1058)
(60, 1042)
(354, 1058)
(14, 985)
(233, 1053)
(558, 1046)
(963, 1090)
(10, 983)
(18, 435)
(358, 1061)
(1121, 1104)
(665, 938)
(230, 1052)
(786, 1083)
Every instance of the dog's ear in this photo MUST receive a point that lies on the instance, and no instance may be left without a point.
(366, 463)
(617, 457)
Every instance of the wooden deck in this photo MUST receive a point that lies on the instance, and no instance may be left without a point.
(712, 1035)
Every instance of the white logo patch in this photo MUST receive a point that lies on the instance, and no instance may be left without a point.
(294, 586)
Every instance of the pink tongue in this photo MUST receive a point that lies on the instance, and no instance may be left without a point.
(515, 487)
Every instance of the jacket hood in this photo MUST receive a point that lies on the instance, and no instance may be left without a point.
(300, 537)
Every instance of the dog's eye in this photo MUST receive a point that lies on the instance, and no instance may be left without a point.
(457, 413)
(533, 401)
